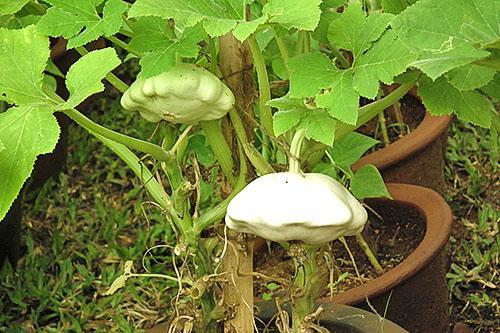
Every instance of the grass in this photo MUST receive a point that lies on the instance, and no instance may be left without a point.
(473, 179)
(80, 229)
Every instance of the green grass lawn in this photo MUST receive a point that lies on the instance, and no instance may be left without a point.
(81, 228)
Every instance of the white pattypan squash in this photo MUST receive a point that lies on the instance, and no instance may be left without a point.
(311, 207)
(186, 94)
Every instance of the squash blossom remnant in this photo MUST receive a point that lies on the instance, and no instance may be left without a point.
(186, 94)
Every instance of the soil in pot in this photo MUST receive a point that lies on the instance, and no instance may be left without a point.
(393, 238)
(414, 292)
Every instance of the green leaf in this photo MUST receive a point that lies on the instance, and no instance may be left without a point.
(350, 148)
(298, 14)
(2, 146)
(309, 73)
(217, 16)
(289, 116)
(440, 98)
(396, 6)
(368, 183)
(326, 169)
(470, 77)
(162, 59)
(319, 126)
(482, 21)
(493, 88)
(150, 34)
(432, 29)
(21, 71)
(245, 29)
(85, 76)
(328, 14)
(8, 7)
(341, 101)
(354, 31)
(25, 132)
(198, 144)
(387, 58)
(79, 21)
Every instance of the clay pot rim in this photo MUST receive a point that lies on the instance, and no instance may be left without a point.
(438, 219)
(426, 132)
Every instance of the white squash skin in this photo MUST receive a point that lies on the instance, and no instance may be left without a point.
(186, 94)
(312, 208)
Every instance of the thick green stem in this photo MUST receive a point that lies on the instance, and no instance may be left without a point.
(369, 254)
(266, 115)
(310, 280)
(258, 161)
(383, 128)
(295, 147)
(283, 49)
(123, 45)
(218, 143)
(110, 77)
(134, 143)
(216, 213)
(369, 111)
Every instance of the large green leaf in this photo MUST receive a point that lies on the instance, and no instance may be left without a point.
(79, 20)
(319, 126)
(354, 31)
(217, 16)
(368, 183)
(163, 51)
(387, 58)
(341, 100)
(440, 98)
(11, 6)
(493, 88)
(396, 6)
(289, 115)
(26, 132)
(310, 72)
(470, 77)
(85, 76)
(298, 14)
(440, 32)
(350, 148)
(23, 56)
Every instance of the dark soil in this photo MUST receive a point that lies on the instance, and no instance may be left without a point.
(392, 238)
(413, 113)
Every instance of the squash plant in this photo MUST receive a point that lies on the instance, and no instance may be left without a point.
(323, 57)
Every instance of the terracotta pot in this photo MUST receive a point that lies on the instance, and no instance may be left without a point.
(336, 318)
(417, 158)
(415, 291)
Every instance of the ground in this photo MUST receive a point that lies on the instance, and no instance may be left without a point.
(79, 229)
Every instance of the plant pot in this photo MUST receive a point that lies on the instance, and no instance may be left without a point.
(417, 158)
(413, 294)
(336, 318)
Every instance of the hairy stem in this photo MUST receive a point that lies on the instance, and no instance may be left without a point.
(123, 45)
(369, 111)
(134, 143)
(218, 143)
(266, 115)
